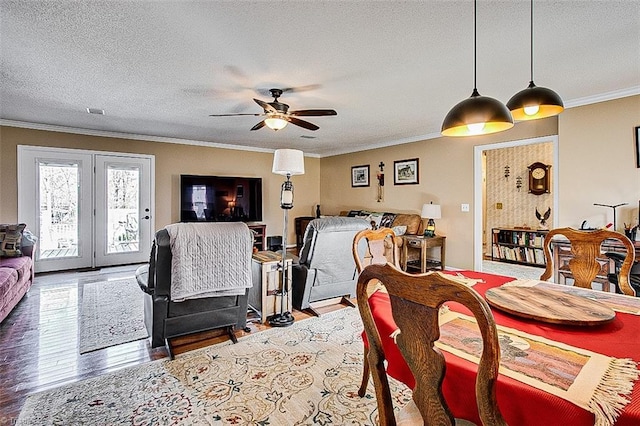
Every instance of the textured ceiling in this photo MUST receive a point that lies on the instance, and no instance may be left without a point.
(390, 69)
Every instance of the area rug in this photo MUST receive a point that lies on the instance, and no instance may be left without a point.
(112, 314)
(305, 374)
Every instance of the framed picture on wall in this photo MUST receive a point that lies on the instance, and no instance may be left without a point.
(360, 176)
(638, 146)
(405, 172)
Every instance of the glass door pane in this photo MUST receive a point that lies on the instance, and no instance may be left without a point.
(123, 188)
(123, 209)
(59, 210)
(87, 209)
(55, 201)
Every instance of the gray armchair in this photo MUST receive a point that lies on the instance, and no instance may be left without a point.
(326, 269)
(166, 318)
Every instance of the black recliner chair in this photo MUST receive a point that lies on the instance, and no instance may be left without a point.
(166, 319)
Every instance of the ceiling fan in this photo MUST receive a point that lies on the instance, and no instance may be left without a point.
(278, 115)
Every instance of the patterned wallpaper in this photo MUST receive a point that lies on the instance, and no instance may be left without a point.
(518, 206)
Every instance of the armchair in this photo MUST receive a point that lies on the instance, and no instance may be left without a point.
(167, 316)
(326, 268)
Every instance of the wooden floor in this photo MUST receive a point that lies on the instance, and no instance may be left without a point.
(39, 343)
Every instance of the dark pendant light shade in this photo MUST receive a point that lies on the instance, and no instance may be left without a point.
(477, 115)
(534, 102)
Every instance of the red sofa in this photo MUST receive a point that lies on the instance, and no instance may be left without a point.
(16, 276)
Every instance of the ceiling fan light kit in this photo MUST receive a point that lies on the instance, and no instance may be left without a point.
(477, 115)
(534, 102)
(275, 122)
(278, 114)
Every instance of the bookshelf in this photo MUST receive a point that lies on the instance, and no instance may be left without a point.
(522, 246)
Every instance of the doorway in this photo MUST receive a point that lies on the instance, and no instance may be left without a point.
(88, 209)
(482, 226)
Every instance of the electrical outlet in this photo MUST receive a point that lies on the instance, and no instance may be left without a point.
(498, 206)
(464, 207)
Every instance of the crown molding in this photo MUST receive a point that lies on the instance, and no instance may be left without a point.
(573, 103)
(133, 136)
(603, 97)
(331, 153)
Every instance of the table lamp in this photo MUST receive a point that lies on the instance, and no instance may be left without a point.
(286, 162)
(430, 211)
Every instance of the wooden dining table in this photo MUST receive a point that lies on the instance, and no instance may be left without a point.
(521, 404)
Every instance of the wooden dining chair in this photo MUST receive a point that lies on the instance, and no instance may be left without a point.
(370, 247)
(415, 305)
(588, 258)
(381, 247)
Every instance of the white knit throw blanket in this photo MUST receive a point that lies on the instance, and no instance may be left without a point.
(209, 259)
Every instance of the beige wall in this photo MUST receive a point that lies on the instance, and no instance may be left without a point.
(598, 163)
(446, 178)
(171, 160)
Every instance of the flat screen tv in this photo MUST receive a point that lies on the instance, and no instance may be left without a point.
(220, 199)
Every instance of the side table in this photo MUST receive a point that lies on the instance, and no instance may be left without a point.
(266, 273)
(423, 243)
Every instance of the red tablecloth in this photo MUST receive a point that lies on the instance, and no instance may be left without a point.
(521, 404)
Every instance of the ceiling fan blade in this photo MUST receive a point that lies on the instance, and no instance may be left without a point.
(313, 112)
(258, 126)
(232, 115)
(302, 123)
(296, 89)
(302, 88)
(265, 106)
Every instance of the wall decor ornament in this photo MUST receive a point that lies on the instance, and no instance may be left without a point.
(543, 218)
(380, 177)
(360, 176)
(405, 172)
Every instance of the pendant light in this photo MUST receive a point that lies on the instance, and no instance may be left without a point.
(534, 102)
(477, 115)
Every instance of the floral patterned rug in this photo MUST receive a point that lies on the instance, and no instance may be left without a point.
(112, 314)
(305, 374)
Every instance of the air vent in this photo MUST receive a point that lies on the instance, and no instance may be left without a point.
(307, 137)
(97, 111)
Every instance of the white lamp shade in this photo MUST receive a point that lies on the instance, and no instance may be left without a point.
(288, 162)
(431, 211)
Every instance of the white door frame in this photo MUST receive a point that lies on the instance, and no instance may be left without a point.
(26, 204)
(102, 257)
(478, 183)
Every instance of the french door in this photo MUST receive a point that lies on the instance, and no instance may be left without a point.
(88, 209)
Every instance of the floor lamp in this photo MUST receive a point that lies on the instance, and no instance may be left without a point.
(286, 162)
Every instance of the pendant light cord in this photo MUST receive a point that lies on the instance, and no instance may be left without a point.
(475, 45)
(531, 41)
